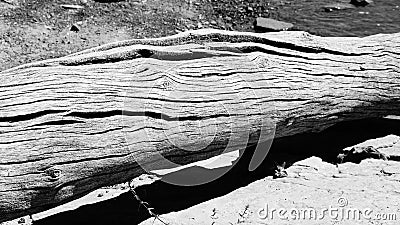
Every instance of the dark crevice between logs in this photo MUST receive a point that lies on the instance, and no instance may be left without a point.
(154, 115)
(104, 114)
(216, 37)
(186, 55)
(99, 60)
(167, 198)
(29, 116)
(197, 39)
(58, 123)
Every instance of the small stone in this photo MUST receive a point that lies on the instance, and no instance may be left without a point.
(361, 2)
(199, 25)
(76, 7)
(74, 28)
(267, 24)
(213, 22)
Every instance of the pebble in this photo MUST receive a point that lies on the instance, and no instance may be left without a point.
(361, 2)
(267, 24)
(74, 28)
(72, 6)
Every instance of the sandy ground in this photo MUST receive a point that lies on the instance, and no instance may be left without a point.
(37, 30)
(33, 30)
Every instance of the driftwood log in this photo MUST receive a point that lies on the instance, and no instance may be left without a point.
(98, 117)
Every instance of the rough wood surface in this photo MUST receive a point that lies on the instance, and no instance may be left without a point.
(73, 124)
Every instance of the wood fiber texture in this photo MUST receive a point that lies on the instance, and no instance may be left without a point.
(73, 124)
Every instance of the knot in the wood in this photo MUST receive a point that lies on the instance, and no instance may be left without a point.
(53, 173)
(166, 85)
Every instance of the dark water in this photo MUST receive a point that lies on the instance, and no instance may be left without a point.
(382, 16)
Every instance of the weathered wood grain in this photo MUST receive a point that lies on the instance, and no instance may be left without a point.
(73, 124)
